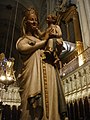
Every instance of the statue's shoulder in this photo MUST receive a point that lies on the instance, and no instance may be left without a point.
(21, 38)
(19, 41)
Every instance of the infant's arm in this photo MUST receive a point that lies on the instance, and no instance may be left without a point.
(41, 33)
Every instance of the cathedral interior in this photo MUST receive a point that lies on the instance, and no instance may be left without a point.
(74, 20)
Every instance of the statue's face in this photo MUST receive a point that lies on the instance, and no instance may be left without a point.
(32, 21)
(49, 18)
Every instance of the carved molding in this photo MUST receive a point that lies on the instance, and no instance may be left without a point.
(77, 84)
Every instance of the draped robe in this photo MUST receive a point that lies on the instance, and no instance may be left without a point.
(41, 93)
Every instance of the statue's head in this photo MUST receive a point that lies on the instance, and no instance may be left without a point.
(30, 21)
(51, 18)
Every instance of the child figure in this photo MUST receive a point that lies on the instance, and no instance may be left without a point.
(55, 38)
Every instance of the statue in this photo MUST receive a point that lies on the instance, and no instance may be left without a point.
(41, 93)
(52, 48)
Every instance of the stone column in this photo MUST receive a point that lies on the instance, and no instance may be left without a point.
(76, 26)
(68, 34)
(83, 23)
(87, 8)
(77, 31)
(50, 6)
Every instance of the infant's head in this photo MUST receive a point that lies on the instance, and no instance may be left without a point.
(51, 19)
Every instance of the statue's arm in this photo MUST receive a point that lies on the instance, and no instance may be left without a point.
(26, 47)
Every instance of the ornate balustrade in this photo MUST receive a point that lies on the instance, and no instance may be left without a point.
(10, 96)
(79, 60)
(76, 82)
(76, 86)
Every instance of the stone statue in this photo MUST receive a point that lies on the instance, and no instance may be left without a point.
(42, 96)
(53, 45)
